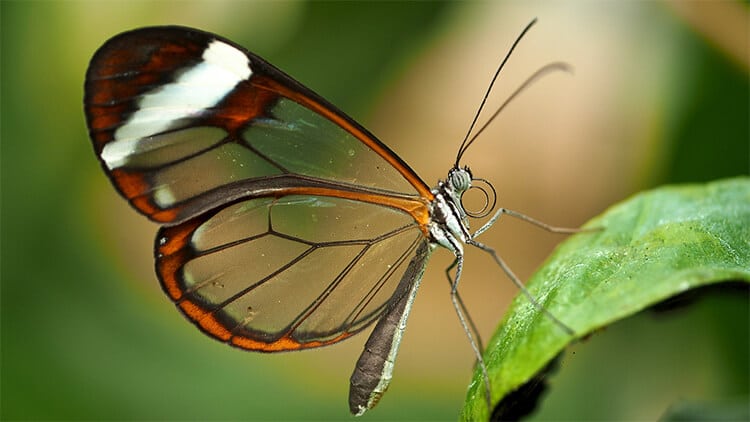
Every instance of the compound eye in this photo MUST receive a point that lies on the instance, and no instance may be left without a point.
(459, 179)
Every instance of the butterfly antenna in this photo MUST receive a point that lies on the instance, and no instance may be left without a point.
(551, 67)
(464, 144)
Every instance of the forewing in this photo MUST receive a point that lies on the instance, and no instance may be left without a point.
(184, 121)
(287, 273)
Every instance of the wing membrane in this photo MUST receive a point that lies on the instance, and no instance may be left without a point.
(287, 273)
(287, 224)
(178, 115)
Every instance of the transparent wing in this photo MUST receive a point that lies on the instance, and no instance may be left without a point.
(288, 225)
(287, 273)
(184, 121)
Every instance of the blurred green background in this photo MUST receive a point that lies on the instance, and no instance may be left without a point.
(659, 95)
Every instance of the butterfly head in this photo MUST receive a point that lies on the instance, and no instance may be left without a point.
(450, 219)
(459, 181)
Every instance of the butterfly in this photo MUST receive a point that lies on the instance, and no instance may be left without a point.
(286, 225)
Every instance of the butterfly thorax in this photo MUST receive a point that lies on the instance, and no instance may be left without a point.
(449, 226)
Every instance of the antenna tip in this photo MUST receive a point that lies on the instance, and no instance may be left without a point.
(563, 66)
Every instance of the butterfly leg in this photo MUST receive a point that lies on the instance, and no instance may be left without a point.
(506, 269)
(469, 319)
(527, 219)
(458, 305)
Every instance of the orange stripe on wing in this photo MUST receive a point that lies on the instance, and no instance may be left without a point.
(212, 326)
(134, 187)
(172, 254)
(418, 208)
(205, 320)
(285, 343)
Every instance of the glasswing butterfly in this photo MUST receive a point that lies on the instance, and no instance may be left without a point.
(286, 225)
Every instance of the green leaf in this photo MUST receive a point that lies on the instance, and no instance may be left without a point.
(653, 246)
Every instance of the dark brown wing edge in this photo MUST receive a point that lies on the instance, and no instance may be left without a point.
(136, 61)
